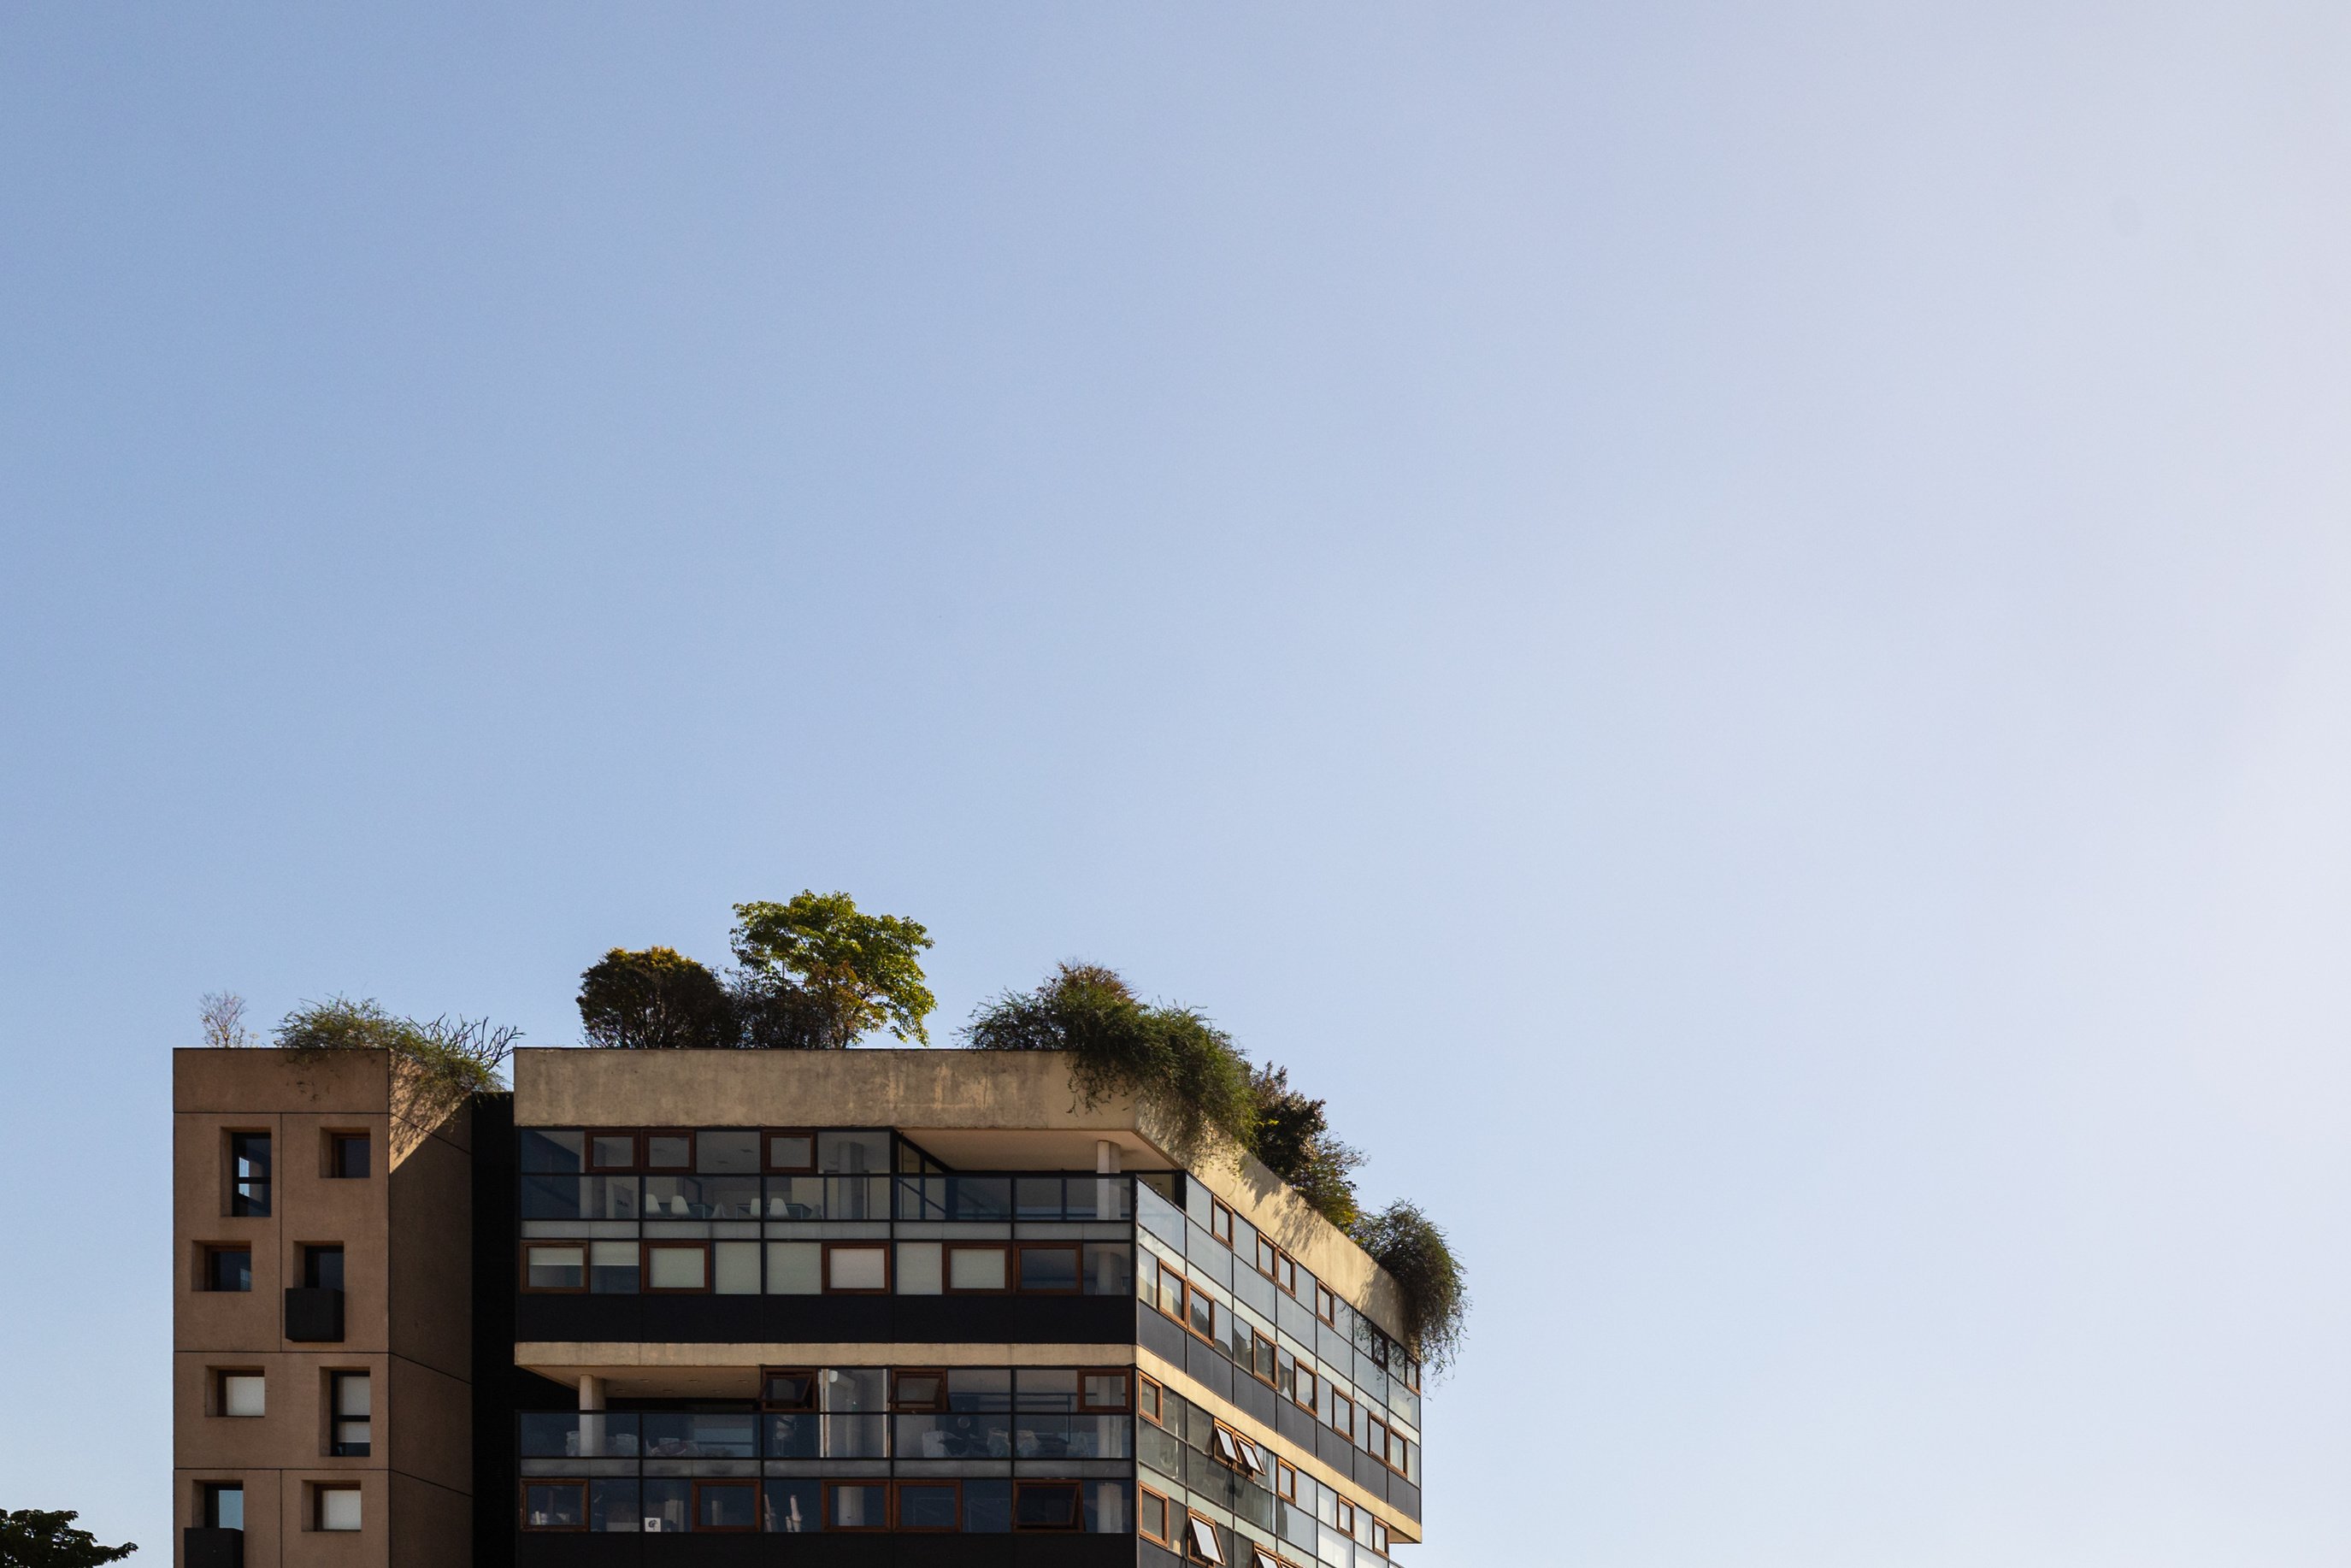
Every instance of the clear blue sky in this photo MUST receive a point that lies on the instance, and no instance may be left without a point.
(1728, 624)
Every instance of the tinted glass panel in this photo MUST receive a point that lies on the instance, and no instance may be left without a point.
(987, 1506)
(795, 1507)
(1045, 1505)
(1049, 1269)
(925, 1507)
(229, 1268)
(858, 1506)
(847, 1153)
(550, 1151)
(669, 1152)
(726, 1507)
(728, 1151)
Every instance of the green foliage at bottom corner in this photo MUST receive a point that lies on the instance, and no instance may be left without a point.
(1412, 1247)
(37, 1540)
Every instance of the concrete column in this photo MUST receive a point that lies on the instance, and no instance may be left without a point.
(592, 1417)
(1105, 1164)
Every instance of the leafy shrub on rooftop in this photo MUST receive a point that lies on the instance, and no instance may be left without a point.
(448, 1060)
(658, 999)
(1413, 1249)
(1291, 1134)
(1172, 1059)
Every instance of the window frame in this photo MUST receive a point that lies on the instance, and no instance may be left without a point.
(1194, 1525)
(1285, 1479)
(1022, 1485)
(1167, 1512)
(1019, 1278)
(239, 1196)
(954, 1484)
(1153, 1410)
(647, 1246)
(1197, 1300)
(1326, 1304)
(1220, 1221)
(1345, 1512)
(1127, 1375)
(530, 1245)
(335, 1445)
(207, 1251)
(876, 1244)
(1348, 1431)
(522, 1506)
(645, 1136)
(1375, 1439)
(220, 1377)
(319, 1492)
(1309, 1394)
(811, 1372)
(208, 1508)
(694, 1525)
(947, 1269)
(337, 1138)
(938, 1400)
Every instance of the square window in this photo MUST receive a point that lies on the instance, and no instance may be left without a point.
(977, 1269)
(1201, 1537)
(555, 1505)
(1049, 1270)
(927, 1505)
(338, 1508)
(857, 1505)
(347, 1155)
(1045, 1505)
(1104, 1391)
(1151, 1515)
(220, 1505)
(673, 1267)
(861, 1267)
(242, 1394)
(787, 1389)
(228, 1268)
(918, 1390)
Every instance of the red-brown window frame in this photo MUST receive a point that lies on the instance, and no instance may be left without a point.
(1127, 1374)
(1191, 1550)
(1167, 1512)
(897, 1489)
(758, 1503)
(1376, 1439)
(1326, 1303)
(522, 1507)
(938, 1400)
(1309, 1393)
(1338, 1399)
(947, 1269)
(1220, 1221)
(1155, 1409)
(1285, 1479)
(1019, 1277)
(586, 1264)
(1198, 1298)
(810, 1373)
(889, 1272)
(645, 1285)
(1346, 1514)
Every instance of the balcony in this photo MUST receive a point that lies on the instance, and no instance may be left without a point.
(314, 1314)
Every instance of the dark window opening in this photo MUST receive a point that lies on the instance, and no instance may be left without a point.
(248, 1156)
(322, 1268)
(228, 1268)
(347, 1155)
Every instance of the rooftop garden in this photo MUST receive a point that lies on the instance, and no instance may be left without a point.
(817, 973)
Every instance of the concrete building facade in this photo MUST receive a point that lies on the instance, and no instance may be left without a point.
(862, 1306)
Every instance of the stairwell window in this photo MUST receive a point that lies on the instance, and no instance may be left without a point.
(248, 1162)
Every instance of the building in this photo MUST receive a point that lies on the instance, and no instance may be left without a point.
(867, 1307)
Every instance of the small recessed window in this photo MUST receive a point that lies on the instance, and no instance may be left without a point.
(243, 1394)
(347, 1155)
(339, 1508)
(220, 1505)
(228, 1268)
